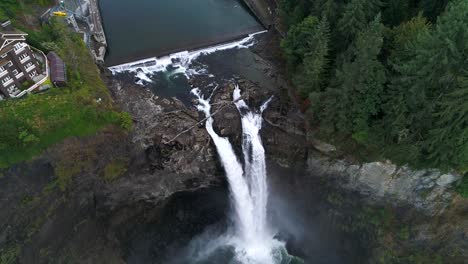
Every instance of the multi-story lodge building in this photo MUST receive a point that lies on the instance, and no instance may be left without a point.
(18, 64)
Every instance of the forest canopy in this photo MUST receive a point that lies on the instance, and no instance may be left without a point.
(389, 75)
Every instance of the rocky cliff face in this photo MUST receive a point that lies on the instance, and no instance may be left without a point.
(427, 190)
(412, 215)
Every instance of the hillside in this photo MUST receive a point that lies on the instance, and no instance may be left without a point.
(32, 124)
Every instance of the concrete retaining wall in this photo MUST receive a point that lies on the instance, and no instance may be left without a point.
(262, 10)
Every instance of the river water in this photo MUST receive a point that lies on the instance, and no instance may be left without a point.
(139, 29)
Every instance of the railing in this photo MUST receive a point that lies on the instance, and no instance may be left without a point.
(14, 92)
(19, 75)
(5, 84)
(19, 50)
(30, 68)
(25, 59)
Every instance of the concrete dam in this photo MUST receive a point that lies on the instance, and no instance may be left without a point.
(141, 29)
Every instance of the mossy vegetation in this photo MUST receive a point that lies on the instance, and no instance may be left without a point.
(35, 224)
(32, 124)
(90, 157)
(462, 189)
(115, 169)
(389, 233)
(40, 208)
(76, 159)
(11, 9)
(9, 254)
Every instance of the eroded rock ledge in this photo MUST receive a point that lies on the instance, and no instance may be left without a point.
(427, 190)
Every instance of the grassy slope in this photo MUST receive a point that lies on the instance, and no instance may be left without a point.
(32, 124)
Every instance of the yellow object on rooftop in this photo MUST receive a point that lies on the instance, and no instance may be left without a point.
(60, 14)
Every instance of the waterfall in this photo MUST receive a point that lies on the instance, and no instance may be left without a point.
(254, 159)
(252, 239)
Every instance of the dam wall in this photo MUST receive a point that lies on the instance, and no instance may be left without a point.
(97, 32)
(147, 37)
(263, 10)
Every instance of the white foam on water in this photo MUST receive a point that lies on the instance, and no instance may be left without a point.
(180, 60)
(143, 77)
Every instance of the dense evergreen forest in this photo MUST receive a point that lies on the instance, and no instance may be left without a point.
(388, 75)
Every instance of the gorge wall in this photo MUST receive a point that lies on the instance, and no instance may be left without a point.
(263, 10)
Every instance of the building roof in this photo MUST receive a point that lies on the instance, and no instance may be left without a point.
(57, 68)
(9, 35)
(7, 29)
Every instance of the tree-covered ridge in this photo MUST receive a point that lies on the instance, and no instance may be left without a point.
(390, 74)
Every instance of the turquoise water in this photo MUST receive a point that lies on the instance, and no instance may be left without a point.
(140, 29)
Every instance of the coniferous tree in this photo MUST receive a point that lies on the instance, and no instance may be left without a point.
(359, 83)
(310, 77)
(430, 70)
(357, 14)
(398, 98)
(396, 11)
(293, 12)
(298, 40)
(407, 33)
(327, 8)
(447, 142)
(432, 8)
(354, 19)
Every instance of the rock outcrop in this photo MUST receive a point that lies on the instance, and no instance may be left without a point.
(409, 214)
(430, 191)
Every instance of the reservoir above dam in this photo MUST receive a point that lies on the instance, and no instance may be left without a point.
(140, 29)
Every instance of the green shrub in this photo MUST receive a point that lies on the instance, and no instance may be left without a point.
(462, 189)
(26, 84)
(125, 121)
(8, 9)
(9, 255)
(115, 170)
(361, 137)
